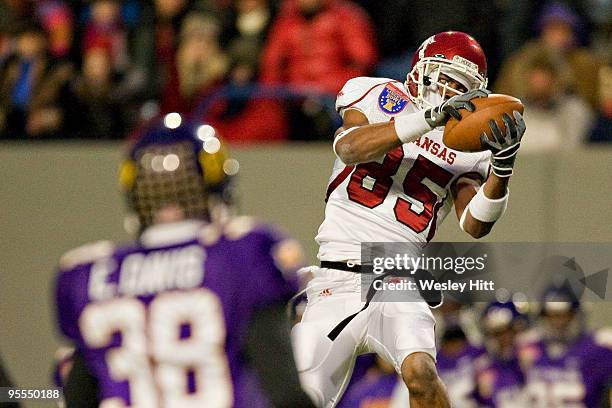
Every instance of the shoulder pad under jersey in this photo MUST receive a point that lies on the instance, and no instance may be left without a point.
(239, 226)
(87, 253)
(356, 89)
(210, 234)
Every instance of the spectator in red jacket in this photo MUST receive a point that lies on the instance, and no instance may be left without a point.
(106, 30)
(319, 44)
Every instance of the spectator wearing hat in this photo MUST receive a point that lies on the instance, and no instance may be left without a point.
(557, 41)
(555, 118)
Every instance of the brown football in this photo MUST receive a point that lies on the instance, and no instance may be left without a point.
(464, 134)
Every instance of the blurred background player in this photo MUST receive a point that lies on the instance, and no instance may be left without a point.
(568, 366)
(376, 388)
(499, 380)
(457, 353)
(181, 317)
(390, 142)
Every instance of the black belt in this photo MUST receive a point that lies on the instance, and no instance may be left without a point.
(371, 292)
(343, 266)
(433, 298)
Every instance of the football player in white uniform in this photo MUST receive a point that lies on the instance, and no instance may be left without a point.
(394, 180)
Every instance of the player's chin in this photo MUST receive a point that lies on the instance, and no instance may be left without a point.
(450, 94)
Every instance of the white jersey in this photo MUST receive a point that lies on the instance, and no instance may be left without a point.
(402, 197)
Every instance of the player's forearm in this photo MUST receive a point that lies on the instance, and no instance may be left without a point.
(496, 187)
(476, 228)
(366, 143)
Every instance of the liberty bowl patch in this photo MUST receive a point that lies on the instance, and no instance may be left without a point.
(391, 100)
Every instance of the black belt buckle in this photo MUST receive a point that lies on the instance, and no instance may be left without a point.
(343, 266)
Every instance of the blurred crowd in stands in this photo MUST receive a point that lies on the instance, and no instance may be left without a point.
(269, 70)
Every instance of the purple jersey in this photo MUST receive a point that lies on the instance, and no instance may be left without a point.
(373, 390)
(499, 383)
(577, 377)
(162, 323)
(362, 364)
(457, 373)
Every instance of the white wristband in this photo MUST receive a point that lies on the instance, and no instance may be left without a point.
(410, 127)
(486, 209)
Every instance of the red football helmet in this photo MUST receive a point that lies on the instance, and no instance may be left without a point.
(453, 53)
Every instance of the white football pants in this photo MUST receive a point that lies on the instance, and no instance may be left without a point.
(393, 330)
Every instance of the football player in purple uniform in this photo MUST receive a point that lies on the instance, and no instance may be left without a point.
(193, 313)
(458, 344)
(456, 358)
(374, 389)
(568, 367)
(499, 379)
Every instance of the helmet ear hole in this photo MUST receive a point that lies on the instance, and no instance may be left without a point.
(426, 80)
